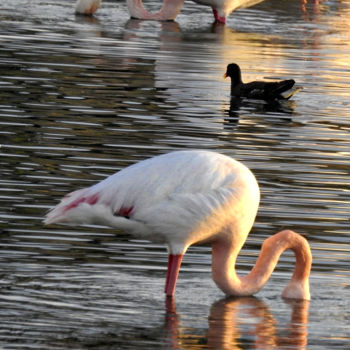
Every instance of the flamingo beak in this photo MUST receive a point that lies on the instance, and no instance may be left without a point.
(174, 263)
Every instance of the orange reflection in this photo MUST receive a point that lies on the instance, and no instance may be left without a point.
(312, 13)
(171, 324)
(234, 322)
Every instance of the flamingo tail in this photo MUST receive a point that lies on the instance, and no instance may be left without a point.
(64, 210)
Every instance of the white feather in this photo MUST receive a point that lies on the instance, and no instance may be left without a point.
(179, 198)
(87, 7)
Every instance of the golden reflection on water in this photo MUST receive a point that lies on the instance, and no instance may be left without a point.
(97, 94)
(339, 38)
(233, 322)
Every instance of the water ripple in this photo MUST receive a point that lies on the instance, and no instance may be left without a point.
(83, 98)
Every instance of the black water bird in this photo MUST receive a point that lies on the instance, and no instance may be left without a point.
(260, 90)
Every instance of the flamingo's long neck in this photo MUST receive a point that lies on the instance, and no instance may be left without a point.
(224, 274)
(169, 10)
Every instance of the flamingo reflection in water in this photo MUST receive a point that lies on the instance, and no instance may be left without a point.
(234, 322)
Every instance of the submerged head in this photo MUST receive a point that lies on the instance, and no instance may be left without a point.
(234, 72)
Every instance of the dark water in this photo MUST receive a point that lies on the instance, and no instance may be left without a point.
(83, 98)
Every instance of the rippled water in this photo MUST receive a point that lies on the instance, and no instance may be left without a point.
(83, 98)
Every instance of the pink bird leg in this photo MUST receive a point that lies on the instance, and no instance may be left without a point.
(174, 263)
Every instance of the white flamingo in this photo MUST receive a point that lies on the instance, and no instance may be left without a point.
(186, 197)
(87, 7)
(170, 8)
(223, 8)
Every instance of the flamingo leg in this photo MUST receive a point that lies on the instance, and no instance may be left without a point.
(174, 263)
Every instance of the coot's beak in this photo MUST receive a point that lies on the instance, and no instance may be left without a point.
(225, 75)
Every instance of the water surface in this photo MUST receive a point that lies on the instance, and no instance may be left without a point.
(83, 98)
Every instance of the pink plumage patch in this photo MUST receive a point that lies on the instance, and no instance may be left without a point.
(218, 18)
(124, 211)
(92, 199)
(89, 200)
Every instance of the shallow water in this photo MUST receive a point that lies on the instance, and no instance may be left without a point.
(83, 98)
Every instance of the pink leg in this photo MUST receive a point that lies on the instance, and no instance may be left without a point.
(174, 263)
(170, 260)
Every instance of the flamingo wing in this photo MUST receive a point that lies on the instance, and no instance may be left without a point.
(178, 198)
(186, 218)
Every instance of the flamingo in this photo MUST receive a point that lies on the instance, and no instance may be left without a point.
(223, 8)
(187, 197)
(269, 91)
(170, 8)
(87, 7)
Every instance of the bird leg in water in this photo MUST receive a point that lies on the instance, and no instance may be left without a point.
(174, 263)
